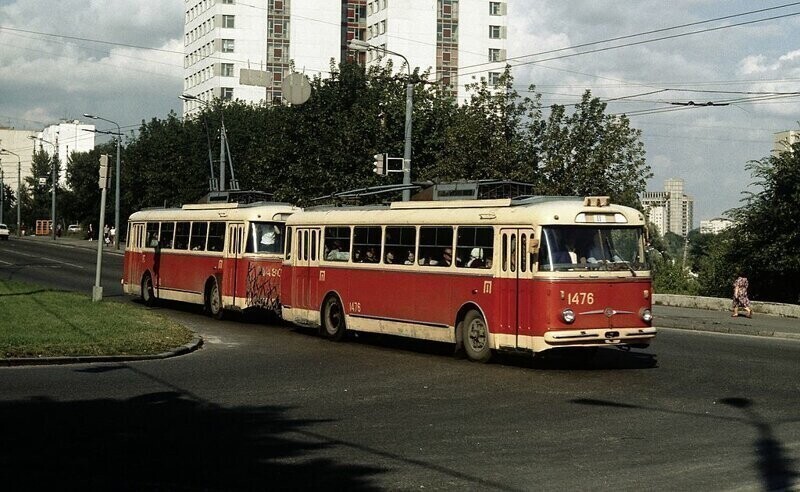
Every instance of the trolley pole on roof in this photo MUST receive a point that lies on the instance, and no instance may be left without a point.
(358, 45)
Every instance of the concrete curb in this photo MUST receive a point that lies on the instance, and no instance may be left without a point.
(730, 330)
(196, 343)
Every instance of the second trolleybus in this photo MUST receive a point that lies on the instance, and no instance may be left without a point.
(221, 255)
(529, 274)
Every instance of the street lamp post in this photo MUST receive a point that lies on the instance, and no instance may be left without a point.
(19, 188)
(116, 180)
(358, 45)
(55, 182)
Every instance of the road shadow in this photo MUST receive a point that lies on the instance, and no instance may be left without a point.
(776, 469)
(164, 441)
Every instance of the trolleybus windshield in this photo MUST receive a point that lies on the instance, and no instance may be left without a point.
(570, 248)
(265, 237)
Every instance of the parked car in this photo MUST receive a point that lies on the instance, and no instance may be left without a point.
(74, 228)
(4, 232)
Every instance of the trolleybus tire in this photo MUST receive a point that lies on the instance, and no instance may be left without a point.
(147, 292)
(475, 335)
(214, 300)
(333, 323)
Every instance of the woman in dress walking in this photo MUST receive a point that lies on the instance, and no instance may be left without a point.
(740, 299)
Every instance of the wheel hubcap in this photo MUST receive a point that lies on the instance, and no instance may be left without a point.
(214, 299)
(334, 317)
(477, 335)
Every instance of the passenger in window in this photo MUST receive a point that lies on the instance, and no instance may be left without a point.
(371, 256)
(270, 238)
(357, 256)
(475, 258)
(336, 253)
(409, 258)
(447, 257)
(389, 259)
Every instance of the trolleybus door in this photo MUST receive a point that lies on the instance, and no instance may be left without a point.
(306, 284)
(515, 304)
(233, 254)
(136, 260)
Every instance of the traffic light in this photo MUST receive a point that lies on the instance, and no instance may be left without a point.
(379, 164)
(105, 176)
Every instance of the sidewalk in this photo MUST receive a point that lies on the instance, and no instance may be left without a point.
(720, 321)
(74, 242)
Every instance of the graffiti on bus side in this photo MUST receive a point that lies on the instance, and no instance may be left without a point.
(262, 287)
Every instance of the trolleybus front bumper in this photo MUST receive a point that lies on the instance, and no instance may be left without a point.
(603, 336)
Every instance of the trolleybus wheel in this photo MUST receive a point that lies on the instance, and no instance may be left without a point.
(475, 336)
(333, 324)
(148, 296)
(214, 300)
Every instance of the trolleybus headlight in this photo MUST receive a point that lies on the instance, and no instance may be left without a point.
(647, 316)
(568, 315)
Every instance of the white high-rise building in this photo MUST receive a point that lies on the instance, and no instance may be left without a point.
(670, 210)
(69, 136)
(785, 140)
(715, 225)
(458, 41)
(18, 142)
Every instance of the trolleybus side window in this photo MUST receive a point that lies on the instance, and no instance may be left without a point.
(337, 244)
(166, 236)
(152, 235)
(314, 238)
(216, 236)
(367, 244)
(399, 244)
(436, 246)
(198, 237)
(182, 235)
(474, 247)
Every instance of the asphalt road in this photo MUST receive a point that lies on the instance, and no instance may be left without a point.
(264, 407)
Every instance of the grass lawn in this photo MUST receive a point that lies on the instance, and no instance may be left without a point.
(40, 322)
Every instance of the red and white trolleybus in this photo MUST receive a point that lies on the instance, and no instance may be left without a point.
(528, 274)
(221, 255)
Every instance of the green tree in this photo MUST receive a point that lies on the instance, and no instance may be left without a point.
(767, 244)
(38, 207)
(592, 153)
(81, 203)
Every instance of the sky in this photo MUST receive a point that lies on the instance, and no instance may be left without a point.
(44, 79)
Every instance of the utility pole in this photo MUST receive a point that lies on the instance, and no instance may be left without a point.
(116, 179)
(55, 183)
(358, 45)
(97, 290)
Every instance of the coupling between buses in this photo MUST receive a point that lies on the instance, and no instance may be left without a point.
(525, 275)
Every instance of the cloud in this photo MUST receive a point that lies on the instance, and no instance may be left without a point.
(66, 77)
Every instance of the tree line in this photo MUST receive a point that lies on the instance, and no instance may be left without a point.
(300, 152)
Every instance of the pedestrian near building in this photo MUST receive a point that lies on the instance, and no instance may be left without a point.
(90, 232)
(740, 297)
